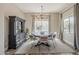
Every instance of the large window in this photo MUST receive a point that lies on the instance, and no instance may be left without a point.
(68, 34)
(41, 25)
(66, 25)
(69, 24)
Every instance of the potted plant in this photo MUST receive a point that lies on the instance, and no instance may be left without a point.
(27, 33)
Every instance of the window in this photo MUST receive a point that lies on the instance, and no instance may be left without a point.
(69, 24)
(41, 26)
(68, 34)
(66, 25)
(72, 24)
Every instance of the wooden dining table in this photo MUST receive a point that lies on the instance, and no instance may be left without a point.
(43, 39)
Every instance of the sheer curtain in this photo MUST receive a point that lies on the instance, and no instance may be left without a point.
(40, 24)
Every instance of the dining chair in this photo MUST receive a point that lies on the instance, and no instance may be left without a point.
(52, 38)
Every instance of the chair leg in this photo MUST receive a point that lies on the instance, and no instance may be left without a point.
(53, 44)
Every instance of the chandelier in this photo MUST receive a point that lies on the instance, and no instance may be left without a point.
(41, 17)
(41, 14)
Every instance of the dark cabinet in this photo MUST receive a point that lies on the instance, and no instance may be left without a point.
(16, 32)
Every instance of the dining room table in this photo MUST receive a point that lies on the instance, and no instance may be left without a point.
(43, 38)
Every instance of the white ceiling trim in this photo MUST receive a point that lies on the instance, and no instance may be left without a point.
(36, 7)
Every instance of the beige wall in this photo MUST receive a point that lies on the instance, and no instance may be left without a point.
(69, 12)
(28, 23)
(1, 33)
(54, 22)
(7, 10)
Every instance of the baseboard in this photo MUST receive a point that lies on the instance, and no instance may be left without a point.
(6, 49)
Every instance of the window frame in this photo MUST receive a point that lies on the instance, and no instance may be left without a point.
(33, 21)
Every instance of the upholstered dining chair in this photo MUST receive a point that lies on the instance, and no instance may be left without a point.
(52, 37)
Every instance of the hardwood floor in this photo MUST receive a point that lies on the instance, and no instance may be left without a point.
(56, 47)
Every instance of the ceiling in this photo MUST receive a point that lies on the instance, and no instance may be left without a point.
(47, 7)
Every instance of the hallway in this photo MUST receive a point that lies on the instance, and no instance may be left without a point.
(56, 47)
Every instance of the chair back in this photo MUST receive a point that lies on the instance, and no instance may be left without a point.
(50, 37)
